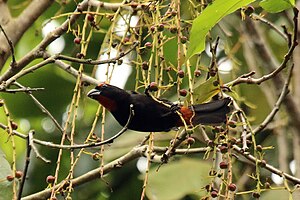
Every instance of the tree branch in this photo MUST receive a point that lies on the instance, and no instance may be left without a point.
(268, 167)
(38, 50)
(22, 23)
(94, 174)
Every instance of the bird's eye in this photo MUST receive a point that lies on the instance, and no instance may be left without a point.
(101, 85)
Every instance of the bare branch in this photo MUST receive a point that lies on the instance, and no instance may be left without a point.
(37, 52)
(94, 174)
(11, 47)
(270, 24)
(79, 146)
(22, 24)
(44, 110)
(268, 167)
(27, 161)
(25, 89)
(97, 62)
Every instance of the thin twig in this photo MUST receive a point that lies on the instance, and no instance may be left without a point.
(37, 52)
(275, 109)
(268, 167)
(11, 46)
(24, 72)
(27, 161)
(25, 89)
(38, 155)
(270, 24)
(247, 79)
(135, 153)
(44, 110)
(79, 146)
(96, 62)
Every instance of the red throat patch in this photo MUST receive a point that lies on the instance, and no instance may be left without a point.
(109, 104)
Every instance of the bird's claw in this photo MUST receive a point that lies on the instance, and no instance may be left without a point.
(147, 91)
(175, 107)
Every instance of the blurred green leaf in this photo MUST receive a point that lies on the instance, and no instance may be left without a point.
(274, 194)
(6, 187)
(205, 91)
(275, 6)
(211, 15)
(178, 179)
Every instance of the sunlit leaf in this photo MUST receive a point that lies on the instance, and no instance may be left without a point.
(275, 6)
(206, 90)
(211, 15)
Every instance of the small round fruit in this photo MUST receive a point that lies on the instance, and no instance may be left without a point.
(174, 13)
(120, 62)
(259, 148)
(96, 156)
(190, 140)
(153, 86)
(90, 17)
(79, 55)
(14, 125)
(232, 187)
(183, 92)
(256, 195)
(77, 40)
(180, 73)
(148, 45)
(249, 10)
(114, 44)
(215, 83)
(134, 5)
(183, 39)
(223, 165)
(145, 65)
(10, 178)
(173, 30)
(223, 149)
(197, 73)
(212, 72)
(19, 174)
(79, 8)
(210, 143)
(214, 194)
(152, 28)
(50, 179)
(160, 27)
(168, 69)
(126, 39)
(267, 185)
(263, 163)
(231, 123)
(232, 141)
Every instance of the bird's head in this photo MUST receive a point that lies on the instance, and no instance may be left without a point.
(107, 95)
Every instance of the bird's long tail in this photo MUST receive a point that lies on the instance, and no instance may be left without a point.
(211, 113)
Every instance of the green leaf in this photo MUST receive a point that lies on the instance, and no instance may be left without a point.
(275, 6)
(6, 187)
(211, 15)
(205, 91)
(178, 179)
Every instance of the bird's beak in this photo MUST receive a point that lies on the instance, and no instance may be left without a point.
(94, 93)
